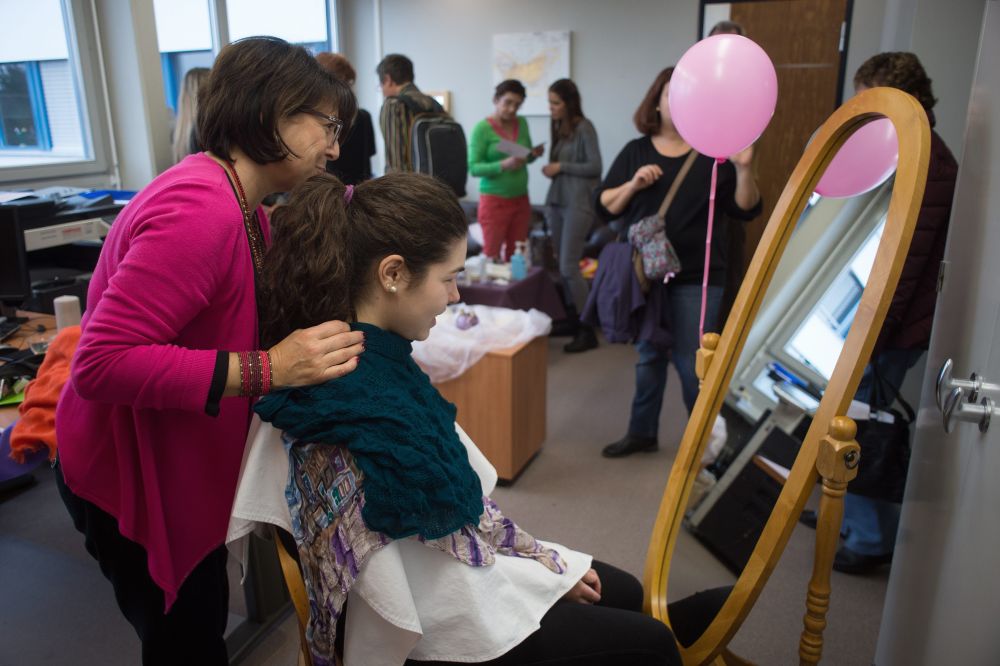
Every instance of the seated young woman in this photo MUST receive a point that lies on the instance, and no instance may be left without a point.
(377, 460)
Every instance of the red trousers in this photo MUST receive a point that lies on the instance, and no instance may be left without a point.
(504, 222)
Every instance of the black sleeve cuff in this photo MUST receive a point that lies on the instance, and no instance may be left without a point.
(218, 385)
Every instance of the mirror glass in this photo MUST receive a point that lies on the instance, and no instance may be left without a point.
(782, 372)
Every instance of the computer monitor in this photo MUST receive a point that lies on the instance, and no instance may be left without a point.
(15, 283)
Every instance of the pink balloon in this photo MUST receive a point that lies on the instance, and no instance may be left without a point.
(863, 163)
(722, 94)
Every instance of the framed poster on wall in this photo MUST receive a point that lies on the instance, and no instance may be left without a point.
(536, 59)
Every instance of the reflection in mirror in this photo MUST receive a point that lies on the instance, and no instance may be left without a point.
(780, 377)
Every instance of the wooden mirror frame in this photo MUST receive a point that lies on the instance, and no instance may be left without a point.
(913, 132)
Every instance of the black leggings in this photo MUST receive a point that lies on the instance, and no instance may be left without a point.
(192, 632)
(613, 631)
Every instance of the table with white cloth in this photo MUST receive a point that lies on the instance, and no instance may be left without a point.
(496, 374)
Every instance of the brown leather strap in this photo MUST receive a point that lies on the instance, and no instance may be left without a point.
(297, 591)
(676, 185)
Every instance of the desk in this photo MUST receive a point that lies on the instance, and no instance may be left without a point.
(501, 404)
(536, 290)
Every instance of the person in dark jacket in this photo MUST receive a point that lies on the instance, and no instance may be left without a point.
(634, 188)
(355, 162)
(870, 524)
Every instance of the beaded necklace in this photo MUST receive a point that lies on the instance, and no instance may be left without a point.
(255, 236)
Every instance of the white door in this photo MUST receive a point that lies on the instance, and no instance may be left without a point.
(943, 601)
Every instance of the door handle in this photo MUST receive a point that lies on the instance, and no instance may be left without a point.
(975, 385)
(956, 409)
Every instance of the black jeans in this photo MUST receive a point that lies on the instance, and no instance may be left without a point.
(614, 631)
(192, 631)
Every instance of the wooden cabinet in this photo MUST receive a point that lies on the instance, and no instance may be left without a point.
(501, 404)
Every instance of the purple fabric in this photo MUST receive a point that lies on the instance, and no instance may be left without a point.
(617, 304)
(536, 290)
(9, 468)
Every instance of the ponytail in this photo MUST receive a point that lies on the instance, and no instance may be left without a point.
(326, 244)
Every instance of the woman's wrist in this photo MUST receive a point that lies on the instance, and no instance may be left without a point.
(250, 374)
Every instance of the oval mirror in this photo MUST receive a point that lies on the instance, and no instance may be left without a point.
(796, 355)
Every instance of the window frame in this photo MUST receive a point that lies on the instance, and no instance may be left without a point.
(86, 61)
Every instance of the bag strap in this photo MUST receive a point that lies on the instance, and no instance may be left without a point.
(676, 185)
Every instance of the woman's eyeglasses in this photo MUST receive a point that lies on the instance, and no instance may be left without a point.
(333, 125)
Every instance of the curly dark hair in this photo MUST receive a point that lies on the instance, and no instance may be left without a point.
(897, 69)
(324, 253)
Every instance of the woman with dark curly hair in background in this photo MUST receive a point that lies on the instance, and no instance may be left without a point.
(870, 524)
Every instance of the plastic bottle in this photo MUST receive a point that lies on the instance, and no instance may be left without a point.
(518, 265)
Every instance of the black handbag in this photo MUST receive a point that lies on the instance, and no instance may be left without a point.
(885, 447)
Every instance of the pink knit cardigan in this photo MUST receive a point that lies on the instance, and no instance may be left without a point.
(174, 284)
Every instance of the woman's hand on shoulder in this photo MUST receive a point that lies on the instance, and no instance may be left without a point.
(552, 169)
(645, 176)
(587, 590)
(315, 355)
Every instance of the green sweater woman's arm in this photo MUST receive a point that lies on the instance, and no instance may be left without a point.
(478, 143)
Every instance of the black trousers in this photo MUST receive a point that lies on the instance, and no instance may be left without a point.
(192, 632)
(612, 632)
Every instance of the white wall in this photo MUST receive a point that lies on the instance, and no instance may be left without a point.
(946, 36)
(139, 115)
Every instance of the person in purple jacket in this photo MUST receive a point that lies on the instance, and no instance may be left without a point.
(152, 424)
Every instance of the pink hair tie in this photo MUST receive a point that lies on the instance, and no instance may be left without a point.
(348, 194)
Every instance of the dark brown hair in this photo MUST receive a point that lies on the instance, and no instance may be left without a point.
(567, 91)
(337, 65)
(325, 250)
(257, 82)
(509, 86)
(727, 28)
(647, 116)
(897, 69)
(397, 67)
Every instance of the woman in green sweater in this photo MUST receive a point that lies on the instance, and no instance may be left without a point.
(504, 209)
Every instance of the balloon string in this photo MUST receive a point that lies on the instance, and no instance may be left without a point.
(708, 248)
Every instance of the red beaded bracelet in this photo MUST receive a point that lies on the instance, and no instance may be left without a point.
(255, 373)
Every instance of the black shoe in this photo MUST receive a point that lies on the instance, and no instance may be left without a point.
(585, 339)
(809, 518)
(628, 445)
(849, 562)
(565, 328)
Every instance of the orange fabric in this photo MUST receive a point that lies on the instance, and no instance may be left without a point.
(37, 425)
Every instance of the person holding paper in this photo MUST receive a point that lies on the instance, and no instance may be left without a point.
(499, 149)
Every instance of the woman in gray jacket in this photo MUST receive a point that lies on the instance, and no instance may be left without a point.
(575, 169)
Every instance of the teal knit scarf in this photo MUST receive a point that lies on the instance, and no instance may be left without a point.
(401, 432)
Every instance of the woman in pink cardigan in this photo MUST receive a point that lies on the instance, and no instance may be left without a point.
(152, 425)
